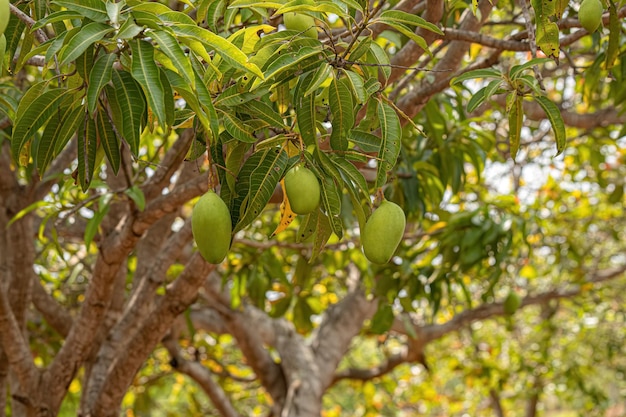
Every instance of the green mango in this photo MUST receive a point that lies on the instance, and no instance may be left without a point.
(5, 13)
(300, 23)
(303, 189)
(590, 14)
(211, 227)
(512, 303)
(383, 232)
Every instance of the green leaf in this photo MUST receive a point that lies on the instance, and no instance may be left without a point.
(403, 29)
(136, 194)
(331, 203)
(172, 49)
(305, 111)
(90, 33)
(383, 319)
(99, 76)
(237, 128)
(319, 76)
(59, 16)
(342, 111)
(476, 100)
(263, 180)
(291, 64)
(264, 112)
(146, 73)
(323, 232)
(410, 19)
(318, 6)
(229, 52)
(108, 140)
(365, 141)
(94, 223)
(391, 133)
(57, 133)
(379, 56)
(357, 86)
(478, 73)
(516, 70)
(612, 50)
(92, 9)
(516, 115)
(32, 115)
(128, 108)
(556, 120)
(87, 148)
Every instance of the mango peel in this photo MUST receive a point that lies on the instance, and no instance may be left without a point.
(303, 189)
(211, 227)
(383, 232)
(590, 14)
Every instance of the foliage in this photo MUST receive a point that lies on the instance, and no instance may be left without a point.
(497, 127)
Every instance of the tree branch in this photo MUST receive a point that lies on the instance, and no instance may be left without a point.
(203, 377)
(180, 294)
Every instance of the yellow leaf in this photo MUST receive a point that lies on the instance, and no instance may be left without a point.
(286, 214)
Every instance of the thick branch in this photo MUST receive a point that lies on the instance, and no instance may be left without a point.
(341, 323)
(180, 294)
(56, 316)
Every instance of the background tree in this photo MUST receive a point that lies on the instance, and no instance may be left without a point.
(117, 115)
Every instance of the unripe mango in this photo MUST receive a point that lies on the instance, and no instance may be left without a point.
(512, 303)
(211, 227)
(590, 14)
(303, 189)
(383, 232)
(300, 23)
(5, 13)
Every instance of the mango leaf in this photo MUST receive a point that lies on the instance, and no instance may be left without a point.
(305, 111)
(382, 320)
(264, 112)
(34, 115)
(229, 52)
(477, 73)
(99, 76)
(59, 16)
(331, 203)
(355, 81)
(547, 32)
(94, 223)
(556, 120)
(136, 194)
(403, 29)
(391, 133)
(378, 55)
(516, 115)
(145, 71)
(318, 6)
(128, 108)
(516, 70)
(293, 64)
(90, 33)
(409, 19)
(263, 180)
(87, 148)
(108, 140)
(92, 9)
(612, 49)
(318, 77)
(365, 141)
(323, 232)
(172, 49)
(237, 128)
(57, 133)
(342, 111)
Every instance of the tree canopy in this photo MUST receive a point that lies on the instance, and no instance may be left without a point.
(495, 128)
